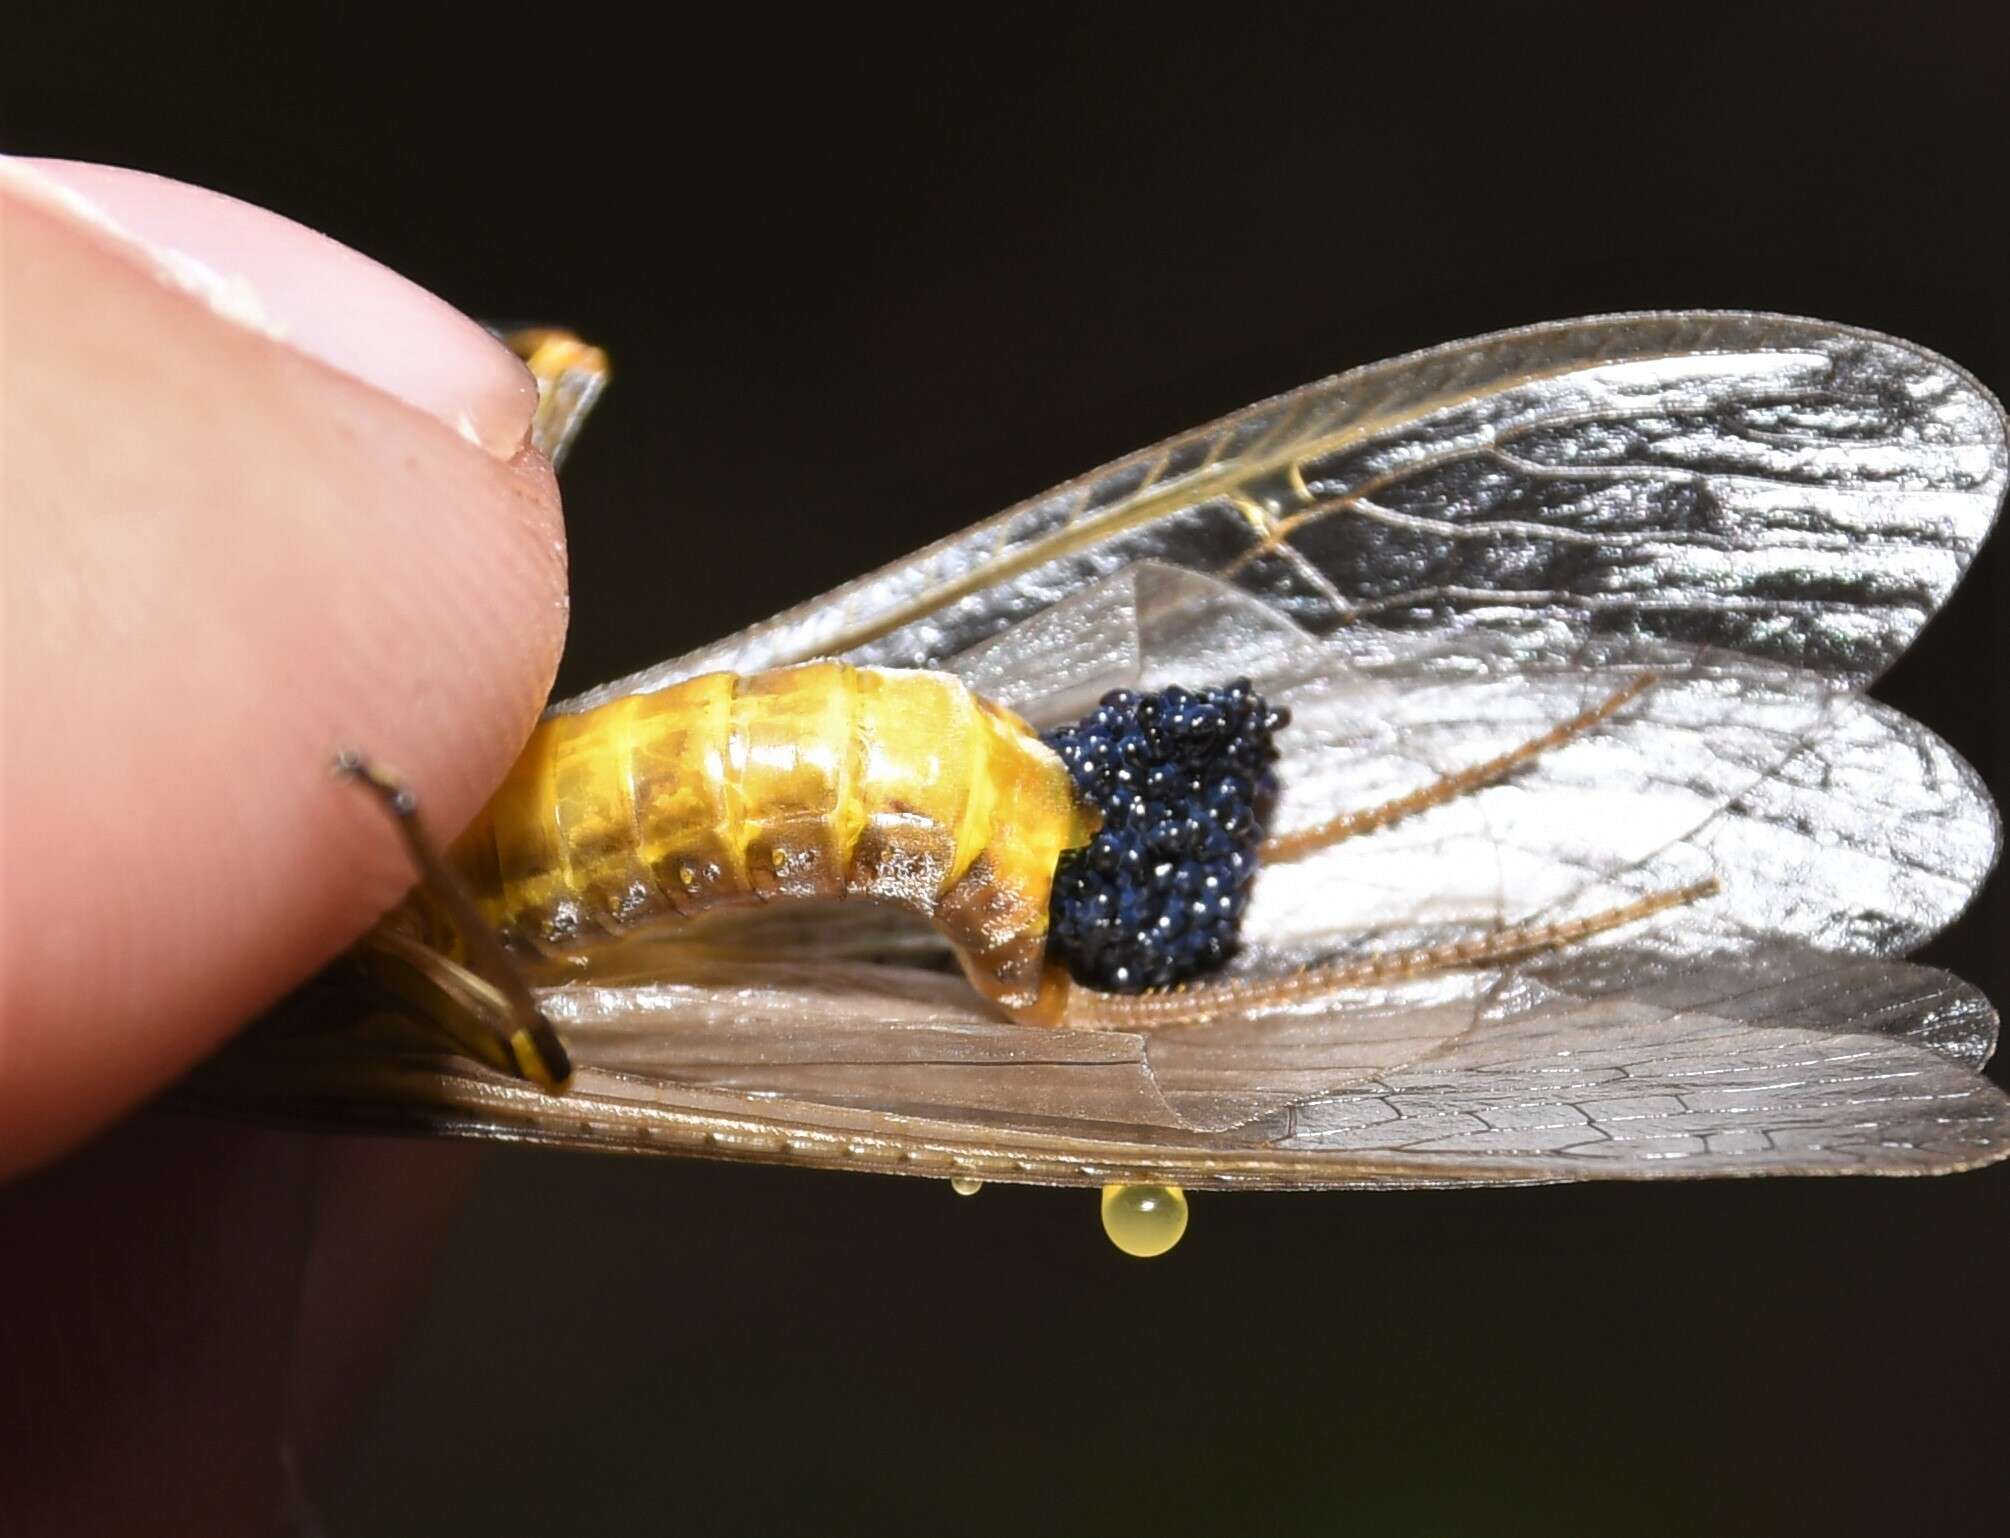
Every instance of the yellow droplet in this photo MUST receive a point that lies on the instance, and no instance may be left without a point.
(687, 873)
(1144, 1220)
(964, 1185)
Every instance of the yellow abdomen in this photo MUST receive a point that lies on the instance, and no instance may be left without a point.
(821, 781)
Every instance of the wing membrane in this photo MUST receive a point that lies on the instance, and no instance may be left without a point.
(1795, 491)
(1785, 1064)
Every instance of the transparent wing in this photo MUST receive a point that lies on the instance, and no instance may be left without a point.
(1788, 490)
(1785, 1063)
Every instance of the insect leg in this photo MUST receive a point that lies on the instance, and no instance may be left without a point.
(486, 1006)
(1295, 846)
(1089, 1010)
(570, 376)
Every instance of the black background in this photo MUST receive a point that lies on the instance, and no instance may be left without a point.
(867, 283)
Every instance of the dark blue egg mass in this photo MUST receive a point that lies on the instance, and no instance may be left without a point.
(1181, 778)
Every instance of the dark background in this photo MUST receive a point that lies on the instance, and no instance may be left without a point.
(866, 284)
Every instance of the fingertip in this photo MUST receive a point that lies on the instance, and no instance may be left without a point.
(228, 557)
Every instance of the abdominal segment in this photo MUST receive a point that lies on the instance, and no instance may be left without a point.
(817, 782)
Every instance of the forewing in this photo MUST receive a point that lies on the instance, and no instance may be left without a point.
(1789, 490)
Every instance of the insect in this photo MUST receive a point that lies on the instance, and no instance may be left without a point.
(1586, 856)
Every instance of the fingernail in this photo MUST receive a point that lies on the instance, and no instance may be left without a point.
(267, 273)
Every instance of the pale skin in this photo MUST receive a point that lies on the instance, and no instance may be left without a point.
(225, 556)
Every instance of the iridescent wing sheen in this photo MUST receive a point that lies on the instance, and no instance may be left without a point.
(1829, 818)
(1788, 489)
(1430, 561)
